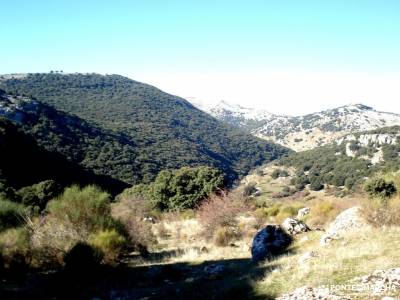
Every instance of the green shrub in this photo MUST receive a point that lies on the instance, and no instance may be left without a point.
(110, 242)
(316, 183)
(184, 188)
(10, 214)
(279, 173)
(379, 187)
(39, 194)
(85, 208)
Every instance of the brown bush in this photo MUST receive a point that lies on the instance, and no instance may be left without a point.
(221, 211)
(223, 236)
(380, 212)
(134, 213)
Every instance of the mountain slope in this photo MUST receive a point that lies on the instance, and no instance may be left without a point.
(23, 163)
(165, 131)
(305, 132)
(348, 160)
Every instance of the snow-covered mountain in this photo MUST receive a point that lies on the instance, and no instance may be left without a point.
(308, 131)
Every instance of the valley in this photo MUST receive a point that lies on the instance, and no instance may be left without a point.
(113, 189)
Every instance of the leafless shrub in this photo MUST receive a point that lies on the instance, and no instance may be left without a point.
(220, 211)
(134, 213)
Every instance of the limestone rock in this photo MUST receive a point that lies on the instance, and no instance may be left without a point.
(303, 212)
(346, 221)
(294, 226)
(310, 293)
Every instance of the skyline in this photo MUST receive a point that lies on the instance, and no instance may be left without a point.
(291, 58)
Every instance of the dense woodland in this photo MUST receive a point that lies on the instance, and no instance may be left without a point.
(137, 130)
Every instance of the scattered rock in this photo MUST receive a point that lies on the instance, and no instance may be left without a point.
(310, 293)
(307, 256)
(294, 226)
(269, 242)
(303, 212)
(380, 282)
(346, 221)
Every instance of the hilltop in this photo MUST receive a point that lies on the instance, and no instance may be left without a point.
(304, 132)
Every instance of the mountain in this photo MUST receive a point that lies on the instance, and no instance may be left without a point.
(304, 132)
(348, 160)
(130, 130)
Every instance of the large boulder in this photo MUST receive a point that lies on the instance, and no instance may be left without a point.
(269, 242)
(348, 220)
(294, 226)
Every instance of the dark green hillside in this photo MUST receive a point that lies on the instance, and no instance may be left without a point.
(167, 132)
(24, 163)
(102, 151)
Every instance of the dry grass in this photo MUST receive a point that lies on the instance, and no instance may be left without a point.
(359, 253)
(380, 212)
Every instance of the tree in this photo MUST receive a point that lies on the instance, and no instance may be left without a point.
(184, 188)
(379, 187)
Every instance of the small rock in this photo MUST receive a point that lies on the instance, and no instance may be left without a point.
(303, 212)
(307, 256)
(310, 293)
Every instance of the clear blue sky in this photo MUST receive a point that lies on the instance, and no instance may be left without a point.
(168, 42)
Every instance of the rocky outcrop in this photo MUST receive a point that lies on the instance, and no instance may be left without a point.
(294, 226)
(269, 242)
(346, 221)
(310, 293)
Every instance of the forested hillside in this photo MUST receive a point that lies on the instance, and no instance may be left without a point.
(137, 130)
(349, 160)
(23, 163)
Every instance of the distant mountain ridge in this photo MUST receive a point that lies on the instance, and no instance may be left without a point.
(304, 132)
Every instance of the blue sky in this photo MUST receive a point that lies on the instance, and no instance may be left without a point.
(268, 54)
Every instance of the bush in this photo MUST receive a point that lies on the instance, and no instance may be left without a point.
(39, 194)
(82, 258)
(380, 213)
(316, 183)
(379, 187)
(10, 214)
(223, 236)
(85, 208)
(184, 188)
(220, 211)
(110, 242)
(15, 248)
(131, 212)
(279, 173)
(249, 189)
